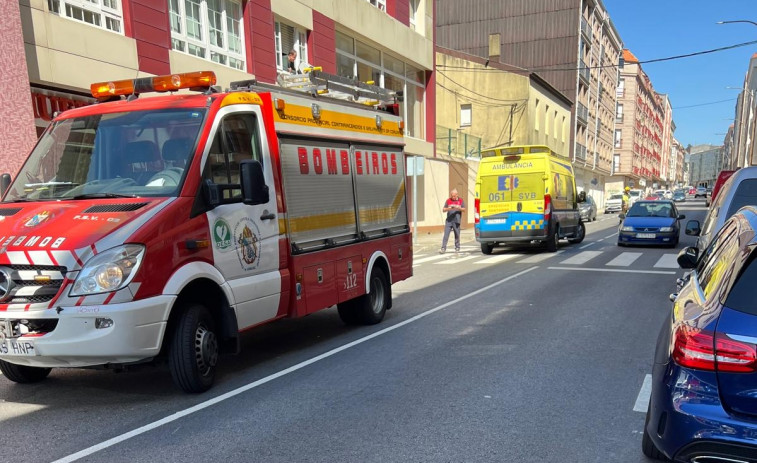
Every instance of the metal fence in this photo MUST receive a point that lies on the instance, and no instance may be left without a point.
(453, 142)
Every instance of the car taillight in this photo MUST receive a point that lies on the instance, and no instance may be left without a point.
(694, 348)
(547, 208)
(477, 213)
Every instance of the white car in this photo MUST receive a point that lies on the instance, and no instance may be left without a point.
(614, 203)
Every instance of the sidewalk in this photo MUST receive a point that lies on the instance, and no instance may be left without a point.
(432, 241)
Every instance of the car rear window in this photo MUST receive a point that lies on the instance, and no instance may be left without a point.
(746, 194)
(743, 295)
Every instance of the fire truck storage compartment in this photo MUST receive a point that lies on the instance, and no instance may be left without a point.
(320, 286)
(350, 279)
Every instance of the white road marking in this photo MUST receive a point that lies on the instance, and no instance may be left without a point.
(497, 259)
(617, 270)
(625, 259)
(429, 259)
(642, 401)
(608, 237)
(535, 259)
(587, 245)
(667, 261)
(455, 260)
(581, 257)
(218, 399)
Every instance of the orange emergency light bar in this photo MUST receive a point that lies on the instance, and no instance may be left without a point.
(169, 83)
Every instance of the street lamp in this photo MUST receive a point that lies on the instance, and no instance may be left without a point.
(738, 21)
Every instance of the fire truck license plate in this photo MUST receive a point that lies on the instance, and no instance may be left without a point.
(17, 347)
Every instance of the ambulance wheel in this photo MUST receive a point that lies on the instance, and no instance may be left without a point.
(370, 308)
(553, 240)
(193, 354)
(23, 374)
(487, 248)
(580, 234)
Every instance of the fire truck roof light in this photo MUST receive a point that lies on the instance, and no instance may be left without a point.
(167, 83)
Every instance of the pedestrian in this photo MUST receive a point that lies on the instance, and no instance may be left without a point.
(626, 199)
(454, 207)
(291, 67)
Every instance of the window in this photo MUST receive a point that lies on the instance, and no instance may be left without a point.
(621, 90)
(355, 59)
(546, 120)
(288, 38)
(616, 163)
(209, 29)
(536, 113)
(619, 113)
(105, 14)
(554, 121)
(713, 261)
(465, 115)
(744, 291)
(413, 4)
(380, 4)
(618, 133)
(236, 140)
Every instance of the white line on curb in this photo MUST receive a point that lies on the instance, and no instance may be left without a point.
(208, 403)
(642, 401)
(615, 270)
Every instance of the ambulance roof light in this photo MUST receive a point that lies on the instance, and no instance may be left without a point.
(167, 83)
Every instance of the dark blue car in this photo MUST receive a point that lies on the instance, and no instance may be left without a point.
(703, 405)
(650, 223)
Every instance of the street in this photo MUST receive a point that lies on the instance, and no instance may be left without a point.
(520, 356)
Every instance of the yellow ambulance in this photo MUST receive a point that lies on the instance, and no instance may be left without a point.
(526, 194)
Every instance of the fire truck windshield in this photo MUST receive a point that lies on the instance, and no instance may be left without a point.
(139, 153)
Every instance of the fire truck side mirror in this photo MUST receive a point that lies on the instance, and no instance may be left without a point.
(254, 189)
(5, 183)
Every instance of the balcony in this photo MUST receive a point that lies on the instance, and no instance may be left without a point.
(580, 152)
(586, 30)
(582, 113)
(584, 73)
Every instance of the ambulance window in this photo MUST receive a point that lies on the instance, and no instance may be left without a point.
(235, 140)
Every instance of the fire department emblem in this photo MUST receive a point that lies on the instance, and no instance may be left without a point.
(246, 240)
(37, 219)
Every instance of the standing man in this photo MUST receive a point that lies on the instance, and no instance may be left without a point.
(454, 207)
(626, 199)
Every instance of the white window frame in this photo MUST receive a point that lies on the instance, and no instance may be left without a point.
(299, 41)
(618, 138)
(414, 5)
(96, 8)
(380, 4)
(466, 115)
(204, 42)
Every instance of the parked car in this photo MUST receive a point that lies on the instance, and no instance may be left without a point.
(666, 194)
(654, 197)
(588, 209)
(722, 177)
(692, 192)
(738, 191)
(650, 223)
(633, 196)
(701, 192)
(614, 203)
(703, 405)
(679, 196)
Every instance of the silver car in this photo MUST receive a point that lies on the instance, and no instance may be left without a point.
(614, 203)
(588, 210)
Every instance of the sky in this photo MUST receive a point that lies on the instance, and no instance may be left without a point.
(653, 29)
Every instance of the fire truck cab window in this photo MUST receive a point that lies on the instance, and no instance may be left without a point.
(236, 139)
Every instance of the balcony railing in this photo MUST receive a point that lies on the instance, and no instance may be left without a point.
(452, 142)
(584, 73)
(580, 152)
(582, 113)
(586, 29)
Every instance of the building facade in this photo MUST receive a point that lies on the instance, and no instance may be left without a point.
(572, 44)
(638, 158)
(705, 162)
(60, 47)
(742, 151)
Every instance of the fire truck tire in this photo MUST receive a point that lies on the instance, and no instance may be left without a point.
(193, 354)
(22, 373)
(371, 308)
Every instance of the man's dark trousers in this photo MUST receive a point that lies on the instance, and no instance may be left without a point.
(455, 227)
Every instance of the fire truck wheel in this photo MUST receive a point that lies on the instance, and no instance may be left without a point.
(371, 308)
(193, 353)
(23, 374)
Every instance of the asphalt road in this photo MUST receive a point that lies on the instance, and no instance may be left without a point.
(521, 356)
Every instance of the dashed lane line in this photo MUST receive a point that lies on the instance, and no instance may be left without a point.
(642, 400)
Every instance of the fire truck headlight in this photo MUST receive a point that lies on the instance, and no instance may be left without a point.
(109, 271)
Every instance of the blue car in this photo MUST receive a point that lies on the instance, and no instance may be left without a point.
(703, 406)
(650, 222)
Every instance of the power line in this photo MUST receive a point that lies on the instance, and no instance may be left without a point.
(479, 94)
(704, 104)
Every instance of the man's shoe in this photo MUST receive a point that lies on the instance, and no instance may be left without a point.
(442, 251)
(456, 251)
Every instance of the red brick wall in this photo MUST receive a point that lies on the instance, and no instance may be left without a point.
(322, 42)
(261, 47)
(149, 26)
(17, 133)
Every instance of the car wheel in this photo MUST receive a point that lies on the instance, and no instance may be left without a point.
(370, 308)
(193, 354)
(23, 374)
(647, 446)
(580, 234)
(553, 240)
(487, 248)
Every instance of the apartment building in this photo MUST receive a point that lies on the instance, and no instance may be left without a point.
(57, 48)
(638, 158)
(744, 135)
(572, 44)
(705, 162)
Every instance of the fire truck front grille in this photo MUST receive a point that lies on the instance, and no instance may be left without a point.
(7, 212)
(30, 284)
(114, 208)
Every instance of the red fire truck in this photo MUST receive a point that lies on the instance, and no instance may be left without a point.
(147, 229)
